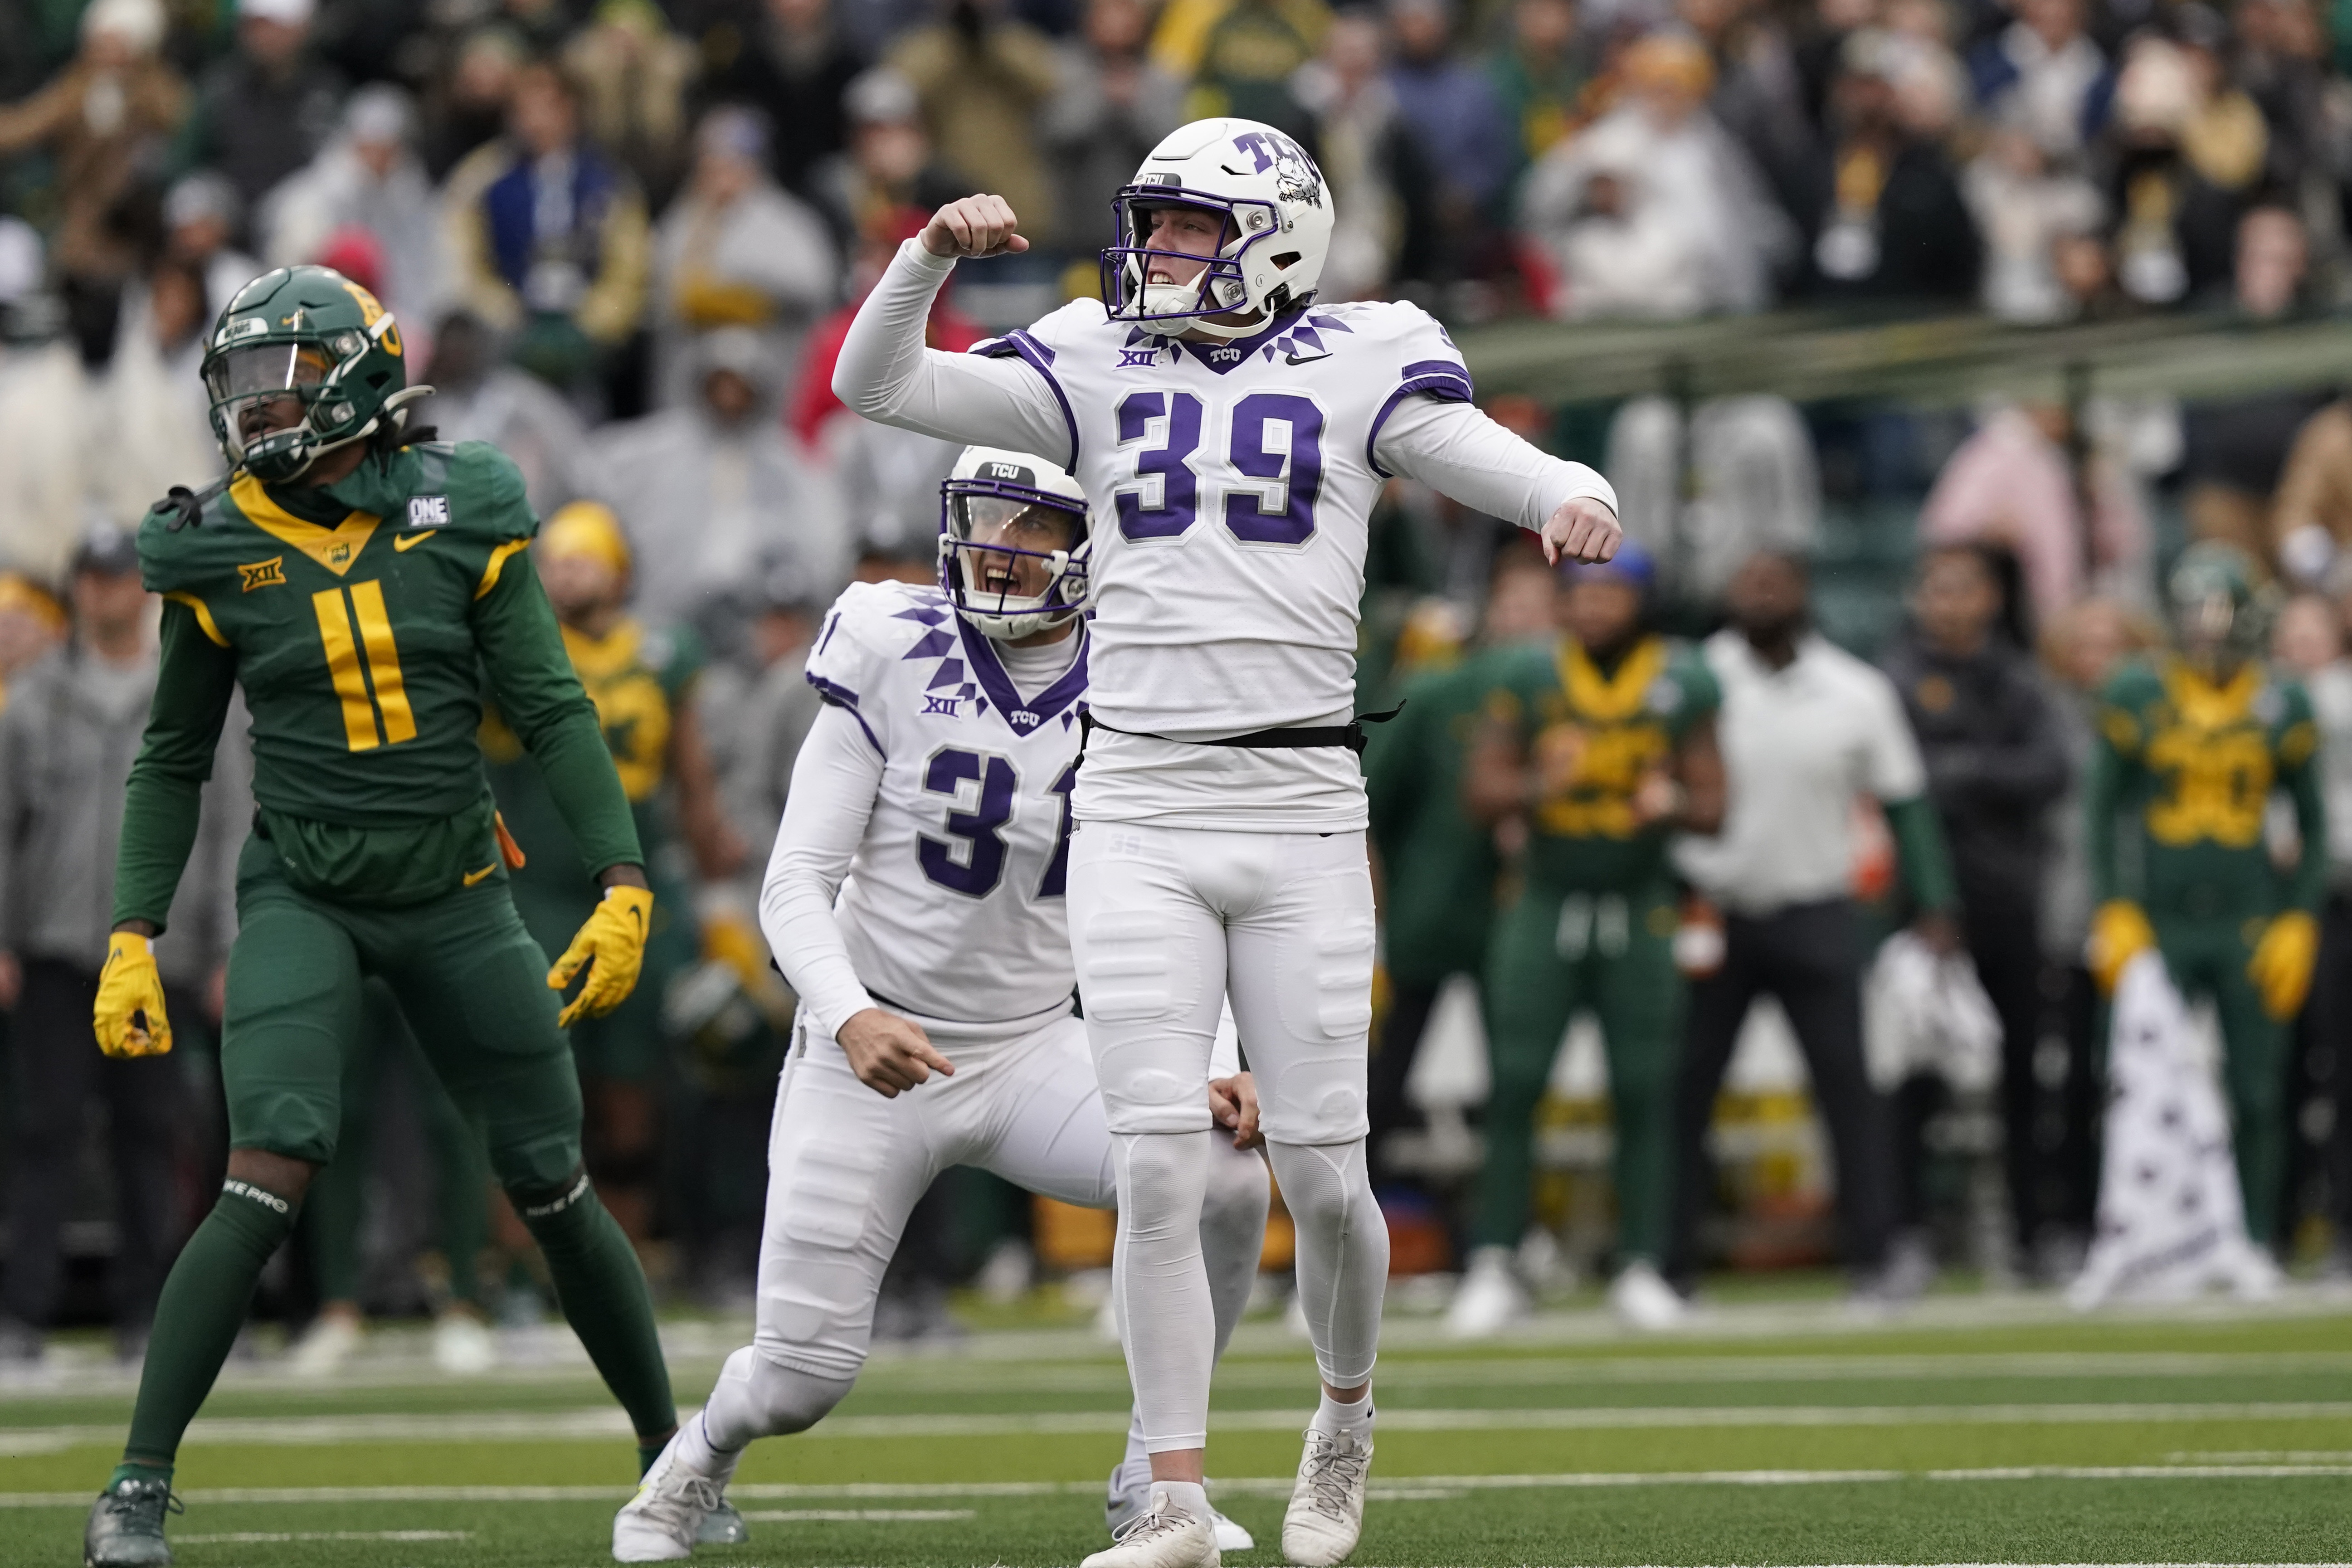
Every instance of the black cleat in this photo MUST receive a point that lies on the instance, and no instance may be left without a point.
(126, 1525)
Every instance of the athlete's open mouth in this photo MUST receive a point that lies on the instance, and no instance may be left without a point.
(997, 580)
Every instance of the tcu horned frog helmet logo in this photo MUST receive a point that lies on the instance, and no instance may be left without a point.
(1275, 231)
(1296, 177)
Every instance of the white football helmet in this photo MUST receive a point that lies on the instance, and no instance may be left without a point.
(996, 506)
(1277, 214)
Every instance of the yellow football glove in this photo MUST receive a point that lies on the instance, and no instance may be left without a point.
(612, 948)
(2119, 933)
(130, 1013)
(2283, 962)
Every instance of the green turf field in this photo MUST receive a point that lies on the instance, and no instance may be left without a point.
(1976, 1430)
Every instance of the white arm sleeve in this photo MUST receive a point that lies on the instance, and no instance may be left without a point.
(835, 781)
(886, 374)
(1455, 449)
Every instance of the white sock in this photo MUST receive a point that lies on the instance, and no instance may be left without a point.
(1343, 1253)
(1353, 1418)
(696, 1452)
(1188, 1498)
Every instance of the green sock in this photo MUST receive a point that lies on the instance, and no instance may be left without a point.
(647, 1453)
(602, 1292)
(198, 1315)
(127, 1471)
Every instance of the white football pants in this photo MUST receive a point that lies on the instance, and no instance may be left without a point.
(1166, 924)
(845, 1167)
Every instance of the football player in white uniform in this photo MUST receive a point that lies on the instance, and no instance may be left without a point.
(916, 901)
(1232, 434)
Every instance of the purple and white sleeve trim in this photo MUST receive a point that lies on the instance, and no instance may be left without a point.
(1441, 378)
(1040, 359)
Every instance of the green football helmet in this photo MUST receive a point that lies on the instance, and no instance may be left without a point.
(311, 336)
(2222, 614)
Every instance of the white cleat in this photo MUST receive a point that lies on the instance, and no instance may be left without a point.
(661, 1523)
(462, 1345)
(1326, 1505)
(1160, 1537)
(1644, 1300)
(1131, 1496)
(1490, 1298)
(325, 1346)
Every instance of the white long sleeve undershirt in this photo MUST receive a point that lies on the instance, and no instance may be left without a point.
(835, 781)
(888, 374)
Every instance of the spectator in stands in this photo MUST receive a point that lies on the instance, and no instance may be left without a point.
(105, 121)
(2024, 207)
(1379, 212)
(713, 490)
(2189, 151)
(1113, 107)
(2043, 76)
(369, 178)
(270, 107)
(1885, 213)
(758, 706)
(1652, 210)
(1539, 78)
(67, 741)
(2280, 62)
(1806, 730)
(2310, 524)
(479, 397)
(2012, 484)
(202, 215)
(1451, 113)
(795, 66)
(890, 167)
(151, 387)
(465, 106)
(1997, 762)
(1759, 96)
(633, 73)
(981, 76)
(736, 250)
(1241, 56)
(548, 238)
(31, 622)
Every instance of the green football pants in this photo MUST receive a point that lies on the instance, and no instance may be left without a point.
(2208, 956)
(335, 1208)
(1554, 951)
(468, 977)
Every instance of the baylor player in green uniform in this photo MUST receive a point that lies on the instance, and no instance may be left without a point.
(357, 588)
(1605, 744)
(2192, 746)
(641, 681)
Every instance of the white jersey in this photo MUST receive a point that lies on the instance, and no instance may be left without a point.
(1232, 487)
(953, 910)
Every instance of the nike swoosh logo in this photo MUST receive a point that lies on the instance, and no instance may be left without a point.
(474, 878)
(407, 542)
(1307, 359)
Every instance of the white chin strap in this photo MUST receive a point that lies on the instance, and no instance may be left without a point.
(1162, 299)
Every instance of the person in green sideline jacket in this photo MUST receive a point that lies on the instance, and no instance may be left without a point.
(1604, 744)
(1437, 867)
(641, 680)
(2192, 744)
(358, 584)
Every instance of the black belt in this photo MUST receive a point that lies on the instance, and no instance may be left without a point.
(1302, 737)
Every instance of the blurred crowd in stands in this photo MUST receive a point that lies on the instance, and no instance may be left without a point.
(623, 241)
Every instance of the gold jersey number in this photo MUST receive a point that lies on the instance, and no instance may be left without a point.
(2216, 785)
(365, 667)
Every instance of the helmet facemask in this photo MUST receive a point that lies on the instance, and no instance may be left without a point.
(1012, 558)
(1221, 287)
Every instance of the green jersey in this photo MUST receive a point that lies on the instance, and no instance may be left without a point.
(638, 680)
(361, 619)
(1438, 865)
(1607, 730)
(2191, 766)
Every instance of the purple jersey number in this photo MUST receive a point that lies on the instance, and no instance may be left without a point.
(983, 866)
(1299, 469)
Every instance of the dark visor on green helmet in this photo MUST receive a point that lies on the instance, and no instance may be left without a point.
(301, 362)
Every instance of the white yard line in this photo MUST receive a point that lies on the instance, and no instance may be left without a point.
(857, 1515)
(598, 1422)
(1403, 1488)
(256, 1537)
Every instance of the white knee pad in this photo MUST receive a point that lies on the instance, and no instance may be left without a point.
(756, 1397)
(1343, 1253)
